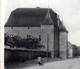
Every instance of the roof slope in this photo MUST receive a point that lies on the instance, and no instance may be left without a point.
(62, 27)
(47, 20)
(29, 17)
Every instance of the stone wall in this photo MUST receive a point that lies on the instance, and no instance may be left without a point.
(63, 45)
(56, 41)
(22, 55)
(48, 38)
(70, 50)
(46, 32)
(23, 31)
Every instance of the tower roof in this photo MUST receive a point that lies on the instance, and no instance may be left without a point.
(47, 20)
(62, 27)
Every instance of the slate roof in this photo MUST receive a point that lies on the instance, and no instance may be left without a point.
(47, 20)
(62, 27)
(32, 17)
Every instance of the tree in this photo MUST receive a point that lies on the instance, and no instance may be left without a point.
(75, 51)
(29, 43)
(34, 43)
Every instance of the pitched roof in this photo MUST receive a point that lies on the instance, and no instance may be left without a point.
(29, 17)
(47, 20)
(62, 27)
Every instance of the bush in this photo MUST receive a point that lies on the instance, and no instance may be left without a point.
(29, 43)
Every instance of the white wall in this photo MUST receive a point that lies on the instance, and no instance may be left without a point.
(70, 53)
(48, 38)
(70, 50)
(46, 32)
(24, 31)
(63, 44)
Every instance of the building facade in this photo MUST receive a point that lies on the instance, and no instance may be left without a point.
(70, 50)
(41, 23)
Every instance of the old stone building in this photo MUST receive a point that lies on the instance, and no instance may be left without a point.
(41, 23)
(63, 41)
(70, 50)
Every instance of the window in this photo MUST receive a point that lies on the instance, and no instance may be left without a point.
(39, 37)
(28, 36)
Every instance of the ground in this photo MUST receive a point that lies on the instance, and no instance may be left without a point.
(63, 64)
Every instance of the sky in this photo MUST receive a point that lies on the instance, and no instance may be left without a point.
(68, 11)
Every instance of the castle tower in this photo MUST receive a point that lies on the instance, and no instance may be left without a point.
(63, 41)
(47, 28)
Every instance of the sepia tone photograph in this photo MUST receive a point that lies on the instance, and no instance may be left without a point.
(41, 34)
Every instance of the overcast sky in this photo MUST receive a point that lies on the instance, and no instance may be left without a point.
(68, 10)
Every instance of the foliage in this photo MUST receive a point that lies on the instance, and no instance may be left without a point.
(75, 51)
(29, 43)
